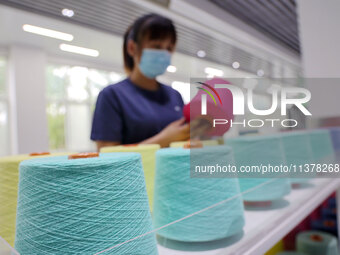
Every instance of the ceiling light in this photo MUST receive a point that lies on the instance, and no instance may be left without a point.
(67, 12)
(213, 72)
(201, 53)
(236, 65)
(171, 69)
(79, 50)
(47, 32)
(260, 72)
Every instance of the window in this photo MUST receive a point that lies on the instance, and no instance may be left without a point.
(4, 129)
(183, 88)
(71, 96)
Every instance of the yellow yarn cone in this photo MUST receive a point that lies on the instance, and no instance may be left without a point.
(9, 173)
(204, 142)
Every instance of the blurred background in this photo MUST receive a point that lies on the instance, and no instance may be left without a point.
(48, 87)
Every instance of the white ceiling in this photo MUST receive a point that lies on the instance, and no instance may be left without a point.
(12, 20)
(222, 39)
(109, 45)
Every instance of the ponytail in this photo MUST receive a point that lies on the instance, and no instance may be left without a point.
(128, 60)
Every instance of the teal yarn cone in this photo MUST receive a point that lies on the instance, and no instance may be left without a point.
(322, 146)
(256, 151)
(317, 243)
(298, 151)
(177, 195)
(83, 206)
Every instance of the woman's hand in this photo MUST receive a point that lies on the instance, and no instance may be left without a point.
(175, 131)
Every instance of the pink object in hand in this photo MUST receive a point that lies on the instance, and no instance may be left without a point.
(223, 109)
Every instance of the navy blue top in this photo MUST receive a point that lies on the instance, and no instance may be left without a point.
(128, 114)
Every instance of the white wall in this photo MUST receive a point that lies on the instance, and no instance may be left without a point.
(319, 23)
(27, 99)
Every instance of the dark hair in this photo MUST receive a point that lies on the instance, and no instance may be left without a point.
(152, 27)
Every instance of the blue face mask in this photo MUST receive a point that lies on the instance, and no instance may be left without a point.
(154, 62)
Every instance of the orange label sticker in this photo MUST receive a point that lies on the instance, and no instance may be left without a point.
(84, 155)
(316, 238)
(39, 154)
(193, 144)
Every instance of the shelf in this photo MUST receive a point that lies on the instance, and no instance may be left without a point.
(264, 228)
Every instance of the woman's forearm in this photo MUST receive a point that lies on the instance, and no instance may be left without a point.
(157, 139)
(175, 131)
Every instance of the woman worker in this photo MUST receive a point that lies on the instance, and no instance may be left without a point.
(139, 109)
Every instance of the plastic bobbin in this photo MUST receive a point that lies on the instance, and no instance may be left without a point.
(316, 238)
(84, 155)
(33, 154)
(257, 203)
(193, 144)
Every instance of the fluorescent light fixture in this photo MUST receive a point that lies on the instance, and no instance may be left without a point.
(171, 69)
(67, 12)
(201, 53)
(47, 32)
(79, 50)
(236, 65)
(213, 72)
